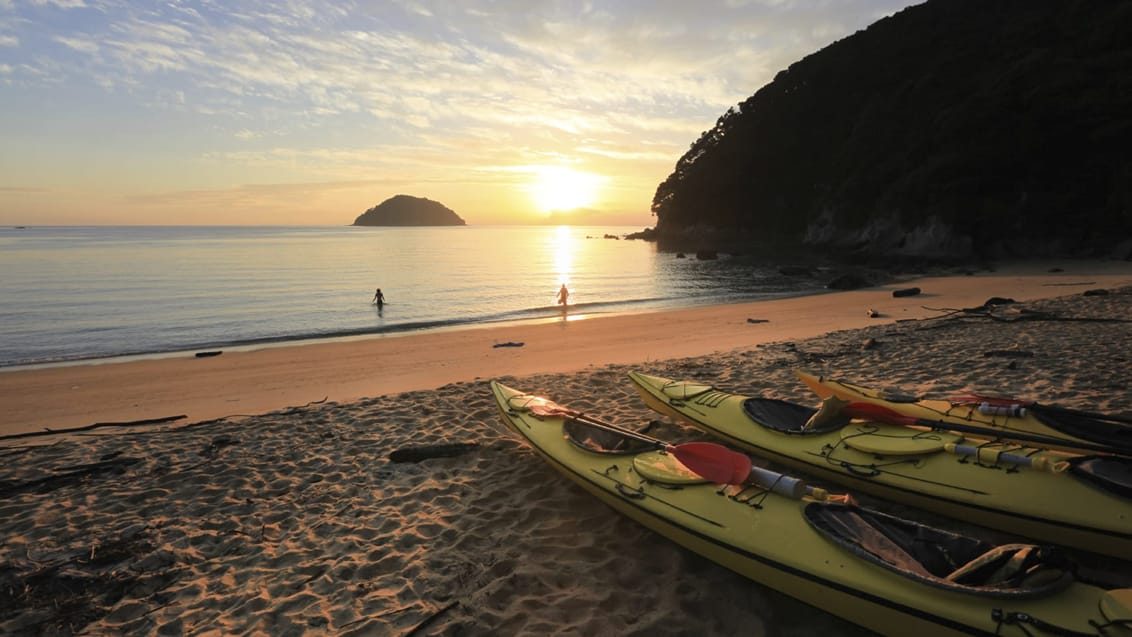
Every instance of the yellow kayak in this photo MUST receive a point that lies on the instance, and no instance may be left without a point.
(1070, 500)
(1030, 422)
(893, 576)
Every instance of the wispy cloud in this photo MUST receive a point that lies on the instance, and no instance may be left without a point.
(80, 45)
(398, 84)
(62, 4)
(389, 59)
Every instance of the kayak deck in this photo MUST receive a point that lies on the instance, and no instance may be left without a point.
(772, 539)
(1065, 499)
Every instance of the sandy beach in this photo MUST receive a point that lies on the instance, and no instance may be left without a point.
(267, 503)
(268, 379)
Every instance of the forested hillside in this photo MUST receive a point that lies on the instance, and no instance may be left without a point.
(955, 127)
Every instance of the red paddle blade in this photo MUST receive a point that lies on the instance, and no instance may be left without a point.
(879, 413)
(712, 462)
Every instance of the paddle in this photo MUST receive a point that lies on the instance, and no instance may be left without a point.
(716, 463)
(880, 413)
(983, 454)
(710, 461)
(1013, 405)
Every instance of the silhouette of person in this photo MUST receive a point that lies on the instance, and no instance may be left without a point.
(378, 298)
(563, 294)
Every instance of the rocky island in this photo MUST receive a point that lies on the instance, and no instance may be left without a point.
(404, 210)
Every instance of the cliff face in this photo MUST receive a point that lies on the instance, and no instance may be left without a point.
(403, 210)
(953, 128)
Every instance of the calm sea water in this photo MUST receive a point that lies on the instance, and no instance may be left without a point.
(71, 293)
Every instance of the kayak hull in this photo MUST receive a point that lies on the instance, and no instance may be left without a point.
(1058, 508)
(764, 537)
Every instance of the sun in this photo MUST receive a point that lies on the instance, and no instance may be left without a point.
(557, 188)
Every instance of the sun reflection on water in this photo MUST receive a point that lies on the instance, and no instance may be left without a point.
(563, 246)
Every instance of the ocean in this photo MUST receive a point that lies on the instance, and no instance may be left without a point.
(70, 294)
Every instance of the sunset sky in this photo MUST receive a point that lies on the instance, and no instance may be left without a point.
(304, 112)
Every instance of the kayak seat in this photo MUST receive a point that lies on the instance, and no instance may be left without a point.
(790, 418)
(1006, 565)
(939, 557)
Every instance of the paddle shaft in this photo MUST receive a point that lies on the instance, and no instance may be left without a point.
(708, 457)
(705, 454)
(710, 461)
(884, 414)
(1123, 422)
(1053, 409)
(628, 433)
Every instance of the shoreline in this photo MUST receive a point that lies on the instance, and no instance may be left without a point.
(323, 339)
(260, 380)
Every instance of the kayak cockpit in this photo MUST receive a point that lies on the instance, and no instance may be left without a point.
(603, 440)
(790, 418)
(941, 558)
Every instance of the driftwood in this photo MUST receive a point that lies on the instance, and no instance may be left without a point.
(74, 475)
(286, 412)
(424, 452)
(1009, 353)
(47, 431)
(431, 618)
(905, 292)
(133, 423)
(1022, 314)
(218, 443)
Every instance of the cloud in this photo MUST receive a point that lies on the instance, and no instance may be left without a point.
(62, 4)
(490, 57)
(78, 44)
(337, 90)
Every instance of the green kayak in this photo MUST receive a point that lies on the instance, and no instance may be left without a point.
(891, 575)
